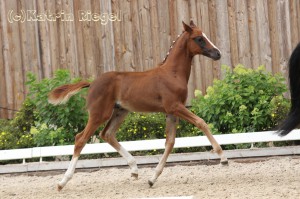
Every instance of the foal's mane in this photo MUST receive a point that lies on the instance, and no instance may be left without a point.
(172, 45)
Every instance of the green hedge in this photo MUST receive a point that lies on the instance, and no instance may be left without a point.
(67, 119)
(16, 133)
(245, 100)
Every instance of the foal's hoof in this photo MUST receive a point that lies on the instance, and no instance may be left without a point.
(224, 162)
(59, 187)
(150, 183)
(135, 176)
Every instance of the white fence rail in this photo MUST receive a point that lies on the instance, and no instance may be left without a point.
(238, 138)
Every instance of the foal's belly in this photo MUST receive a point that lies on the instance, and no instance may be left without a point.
(141, 105)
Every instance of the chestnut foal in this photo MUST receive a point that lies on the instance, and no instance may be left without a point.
(162, 89)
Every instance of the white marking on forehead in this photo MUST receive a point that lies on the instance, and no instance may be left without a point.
(211, 43)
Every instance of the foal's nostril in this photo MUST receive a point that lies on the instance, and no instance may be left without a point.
(217, 55)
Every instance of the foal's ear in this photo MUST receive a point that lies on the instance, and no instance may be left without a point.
(192, 24)
(187, 27)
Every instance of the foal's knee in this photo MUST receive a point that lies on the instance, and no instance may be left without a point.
(106, 136)
(170, 143)
(200, 123)
(102, 135)
(78, 140)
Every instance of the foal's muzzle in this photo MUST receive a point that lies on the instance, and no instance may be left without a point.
(215, 54)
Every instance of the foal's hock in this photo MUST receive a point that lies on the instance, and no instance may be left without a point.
(163, 89)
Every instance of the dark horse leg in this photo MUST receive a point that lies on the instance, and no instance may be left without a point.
(293, 118)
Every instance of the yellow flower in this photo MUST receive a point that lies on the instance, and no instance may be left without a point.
(273, 115)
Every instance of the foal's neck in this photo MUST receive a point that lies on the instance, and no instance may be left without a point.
(179, 59)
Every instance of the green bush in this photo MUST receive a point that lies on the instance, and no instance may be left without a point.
(139, 126)
(143, 126)
(24, 118)
(12, 138)
(69, 118)
(246, 100)
(16, 133)
(45, 136)
(279, 107)
(7, 140)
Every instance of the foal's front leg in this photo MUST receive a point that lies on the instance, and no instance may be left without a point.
(183, 113)
(171, 123)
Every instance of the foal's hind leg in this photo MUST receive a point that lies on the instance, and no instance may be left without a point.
(109, 135)
(171, 123)
(95, 120)
(80, 141)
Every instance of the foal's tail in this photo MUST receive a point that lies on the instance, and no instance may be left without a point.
(293, 118)
(62, 94)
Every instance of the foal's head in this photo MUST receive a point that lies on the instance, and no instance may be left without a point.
(198, 42)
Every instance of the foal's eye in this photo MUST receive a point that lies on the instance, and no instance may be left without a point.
(200, 41)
